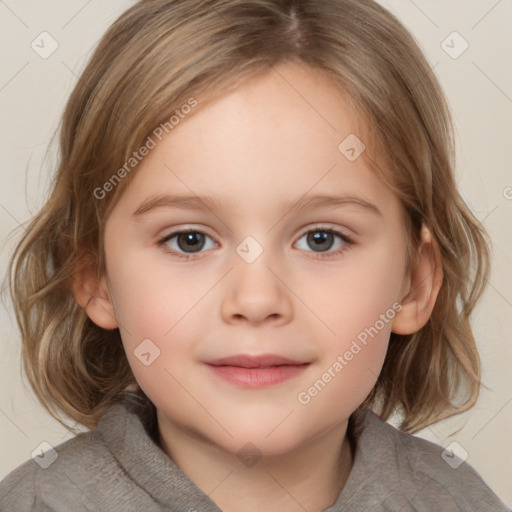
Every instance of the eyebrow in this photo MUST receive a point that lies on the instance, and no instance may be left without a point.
(210, 203)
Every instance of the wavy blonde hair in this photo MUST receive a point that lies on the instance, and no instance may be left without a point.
(154, 57)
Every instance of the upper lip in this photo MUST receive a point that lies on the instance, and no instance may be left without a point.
(258, 361)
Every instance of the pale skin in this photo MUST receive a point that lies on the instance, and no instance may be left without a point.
(258, 150)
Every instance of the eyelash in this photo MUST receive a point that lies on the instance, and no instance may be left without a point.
(348, 243)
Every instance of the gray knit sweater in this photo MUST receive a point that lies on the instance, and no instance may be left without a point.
(118, 467)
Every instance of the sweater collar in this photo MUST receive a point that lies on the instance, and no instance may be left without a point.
(127, 435)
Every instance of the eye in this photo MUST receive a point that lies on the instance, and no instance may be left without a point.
(188, 242)
(325, 242)
(322, 240)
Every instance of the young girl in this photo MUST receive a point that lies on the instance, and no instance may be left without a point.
(254, 254)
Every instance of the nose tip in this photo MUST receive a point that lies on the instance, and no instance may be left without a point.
(255, 295)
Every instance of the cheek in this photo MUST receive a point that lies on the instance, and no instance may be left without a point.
(159, 310)
(357, 306)
(353, 296)
(151, 298)
(351, 364)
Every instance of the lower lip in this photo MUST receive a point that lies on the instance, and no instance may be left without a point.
(256, 378)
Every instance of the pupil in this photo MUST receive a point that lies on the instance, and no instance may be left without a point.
(320, 240)
(189, 241)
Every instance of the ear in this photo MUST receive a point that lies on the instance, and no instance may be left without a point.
(422, 287)
(92, 294)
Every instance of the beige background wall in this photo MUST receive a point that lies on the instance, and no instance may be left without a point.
(478, 83)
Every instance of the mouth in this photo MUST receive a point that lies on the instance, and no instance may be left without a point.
(256, 371)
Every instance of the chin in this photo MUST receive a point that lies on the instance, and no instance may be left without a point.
(272, 436)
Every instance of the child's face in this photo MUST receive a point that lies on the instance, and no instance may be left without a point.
(257, 152)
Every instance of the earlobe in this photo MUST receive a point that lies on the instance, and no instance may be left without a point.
(424, 282)
(92, 294)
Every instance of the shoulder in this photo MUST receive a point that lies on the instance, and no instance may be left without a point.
(38, 483)
(116, 466)
(420, 474)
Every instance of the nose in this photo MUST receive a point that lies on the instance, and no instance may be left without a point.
(256, 294)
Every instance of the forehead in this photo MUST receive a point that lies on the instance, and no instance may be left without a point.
(282, 134)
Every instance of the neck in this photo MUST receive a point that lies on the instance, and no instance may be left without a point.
(310, 477)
